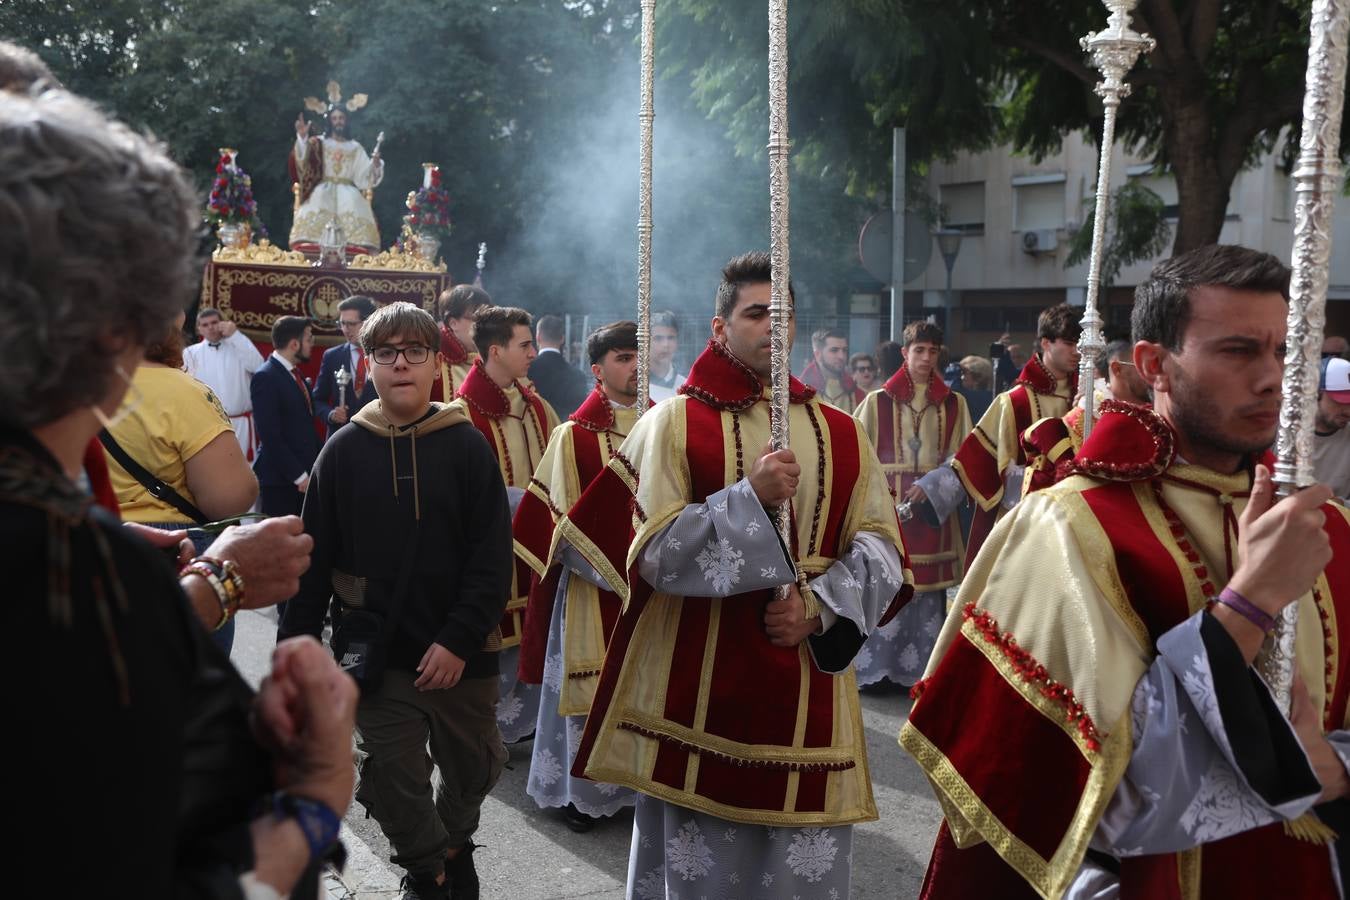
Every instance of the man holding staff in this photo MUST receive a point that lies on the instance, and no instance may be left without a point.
(729, 705)
(1090, 717)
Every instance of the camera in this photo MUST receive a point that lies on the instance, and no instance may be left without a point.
(997, 350)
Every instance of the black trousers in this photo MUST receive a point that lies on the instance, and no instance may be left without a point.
(280, 500)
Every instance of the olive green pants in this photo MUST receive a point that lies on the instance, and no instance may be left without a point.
(427, 761)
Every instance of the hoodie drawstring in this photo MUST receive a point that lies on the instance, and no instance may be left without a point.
(417, 494)
(393, 466)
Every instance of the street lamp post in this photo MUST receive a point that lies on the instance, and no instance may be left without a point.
(949, 244)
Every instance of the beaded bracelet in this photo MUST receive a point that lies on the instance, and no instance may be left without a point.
(231, 578)
(224, 579)
(1247, 609)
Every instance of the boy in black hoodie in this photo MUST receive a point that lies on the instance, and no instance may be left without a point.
(427, 550)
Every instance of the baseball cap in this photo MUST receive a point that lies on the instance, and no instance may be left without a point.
(1336, 379)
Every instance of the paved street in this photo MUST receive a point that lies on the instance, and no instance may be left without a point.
(529, 854)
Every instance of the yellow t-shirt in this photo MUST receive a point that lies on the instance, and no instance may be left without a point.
(175, 416)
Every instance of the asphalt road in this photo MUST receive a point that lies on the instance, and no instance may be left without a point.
(528, 853)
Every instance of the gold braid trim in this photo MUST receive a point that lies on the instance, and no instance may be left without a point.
(1050, 878)
(768, 756)
(569, 532)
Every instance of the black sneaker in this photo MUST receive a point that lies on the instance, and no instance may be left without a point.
(577, 820)
(460, 876)
(423, 887)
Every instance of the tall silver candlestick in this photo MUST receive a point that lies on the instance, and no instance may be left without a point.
(1316, 183)
(646, 115)
(780, 302)
(1114, 51)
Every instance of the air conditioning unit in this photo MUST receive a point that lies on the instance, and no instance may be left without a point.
(1042, 240)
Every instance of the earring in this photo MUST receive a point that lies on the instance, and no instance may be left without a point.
(128, 406)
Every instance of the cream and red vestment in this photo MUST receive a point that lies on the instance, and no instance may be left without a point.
(454, 368)
(571, 612)
(751, 752)
(517, 423)
(1088, 726)
(841, 392)
(992, 450)
(914, 428)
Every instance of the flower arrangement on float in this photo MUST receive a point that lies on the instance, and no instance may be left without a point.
(230, 205)
(427, 223)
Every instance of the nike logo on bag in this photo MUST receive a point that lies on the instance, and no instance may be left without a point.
(350, 661)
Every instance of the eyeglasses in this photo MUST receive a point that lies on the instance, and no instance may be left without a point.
(387, 356)
(356, 324)
(861, 369)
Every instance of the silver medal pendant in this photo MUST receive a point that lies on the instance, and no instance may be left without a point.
(914, 445)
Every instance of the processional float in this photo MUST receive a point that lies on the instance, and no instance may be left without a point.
(1317, 178)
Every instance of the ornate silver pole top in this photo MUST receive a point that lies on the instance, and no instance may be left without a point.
(482, 258)
(646, 116)
(1316, 183)
(1114, 51)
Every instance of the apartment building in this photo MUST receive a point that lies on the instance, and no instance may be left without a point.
(1016, 216)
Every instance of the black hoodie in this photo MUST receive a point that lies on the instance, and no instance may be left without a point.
(375, 488)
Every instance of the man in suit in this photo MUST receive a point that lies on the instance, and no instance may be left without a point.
(283, 412)
(557, 381)
(346, 356)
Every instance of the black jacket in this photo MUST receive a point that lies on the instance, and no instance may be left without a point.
(559, 382)
(441, 489)
(284, 424)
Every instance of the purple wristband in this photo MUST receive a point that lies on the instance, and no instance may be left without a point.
(1247, 609)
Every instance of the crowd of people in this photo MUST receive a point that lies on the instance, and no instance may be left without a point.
(497, 546)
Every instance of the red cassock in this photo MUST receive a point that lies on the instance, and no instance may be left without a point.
(994, 445)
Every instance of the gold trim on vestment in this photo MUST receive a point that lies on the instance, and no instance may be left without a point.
(769, 753)
(705, 677)
(1049, 878)
(973, 492)
(1188, 873)
(581, 670)
(1148, 503)
(1029, 690)
(946, 556)
(537, 565)
(565, 530)
(826, 447)
(1094, 543)
(1331, 653)
(799, 730)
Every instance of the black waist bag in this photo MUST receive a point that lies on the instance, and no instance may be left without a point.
(361, 635)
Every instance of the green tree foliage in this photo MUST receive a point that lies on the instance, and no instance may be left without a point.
(1225, 79)
(529, 106)
(1136, 230)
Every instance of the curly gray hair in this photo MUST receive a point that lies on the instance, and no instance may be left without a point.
(99, 251)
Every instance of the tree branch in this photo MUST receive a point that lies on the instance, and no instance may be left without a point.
(1166, 29)
(1204, 28)
(1069, 62)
